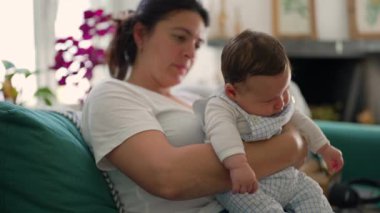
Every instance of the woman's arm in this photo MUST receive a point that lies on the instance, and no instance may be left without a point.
(194, 171)
(279, 152)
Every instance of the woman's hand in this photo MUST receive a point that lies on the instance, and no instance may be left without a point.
(277, 153)
(300, 144)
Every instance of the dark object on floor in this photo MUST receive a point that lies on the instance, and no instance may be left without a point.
(345, 195)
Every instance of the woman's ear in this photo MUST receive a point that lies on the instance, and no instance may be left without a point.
(230, 91)
(138, 34)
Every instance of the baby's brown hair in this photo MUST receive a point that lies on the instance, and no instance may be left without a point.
(252, 53)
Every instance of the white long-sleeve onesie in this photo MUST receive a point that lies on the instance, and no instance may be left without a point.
(226, 125)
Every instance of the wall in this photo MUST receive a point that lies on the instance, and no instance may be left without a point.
(332, 19)
(331, 16)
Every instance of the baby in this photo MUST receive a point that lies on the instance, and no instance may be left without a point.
(254, 105)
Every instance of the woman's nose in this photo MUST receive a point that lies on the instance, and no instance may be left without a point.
(190, 50)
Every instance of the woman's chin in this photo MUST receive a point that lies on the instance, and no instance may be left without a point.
(174, 82)
(179, 79)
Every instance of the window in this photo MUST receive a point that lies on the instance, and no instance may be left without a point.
(17, 41)
(19, 44)
(17, 37)
(70, 17)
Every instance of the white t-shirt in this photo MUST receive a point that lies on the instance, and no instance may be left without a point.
(116, 110)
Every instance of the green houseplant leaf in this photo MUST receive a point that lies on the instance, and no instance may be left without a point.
(45, 94)
(23, 71)
(7, 64)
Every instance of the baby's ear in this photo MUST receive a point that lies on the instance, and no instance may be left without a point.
(230, 91)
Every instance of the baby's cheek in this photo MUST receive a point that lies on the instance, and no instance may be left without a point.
(289, 96)
(286, 99)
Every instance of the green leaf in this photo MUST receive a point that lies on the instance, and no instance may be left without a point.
(7, 64)
(23, 71)
(45, 94)
(45, 91)
(47, 101)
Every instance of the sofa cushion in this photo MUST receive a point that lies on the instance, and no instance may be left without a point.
(45, 166)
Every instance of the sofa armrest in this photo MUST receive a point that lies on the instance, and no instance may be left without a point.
(360, 145)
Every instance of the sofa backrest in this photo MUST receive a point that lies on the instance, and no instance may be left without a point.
(45, 166)
(360, 145)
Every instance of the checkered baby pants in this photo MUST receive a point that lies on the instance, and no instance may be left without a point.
(287, 191)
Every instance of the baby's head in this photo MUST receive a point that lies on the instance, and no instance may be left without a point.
(256, 71)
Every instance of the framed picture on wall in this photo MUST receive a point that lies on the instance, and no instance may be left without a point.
(364, 19)
(294, 19)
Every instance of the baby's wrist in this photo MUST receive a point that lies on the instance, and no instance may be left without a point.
(323, 149)
(235, 161)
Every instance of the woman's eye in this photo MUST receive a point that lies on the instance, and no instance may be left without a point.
(180, 38)
(197, 45)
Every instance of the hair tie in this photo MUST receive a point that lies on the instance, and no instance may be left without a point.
(124, 15)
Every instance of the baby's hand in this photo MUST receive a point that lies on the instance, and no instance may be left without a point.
(242, 176)
(333, 158)
(243, 179)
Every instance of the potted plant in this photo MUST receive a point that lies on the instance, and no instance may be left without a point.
(12, 93)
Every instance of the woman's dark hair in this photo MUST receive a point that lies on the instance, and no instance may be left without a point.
(252, 53)
(122, 50)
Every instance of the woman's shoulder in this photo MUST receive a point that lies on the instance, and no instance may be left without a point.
(109, 88)
(114, 93)
(111, 84)
(111, 93)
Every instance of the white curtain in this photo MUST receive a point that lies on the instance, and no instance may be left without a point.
(45, 12)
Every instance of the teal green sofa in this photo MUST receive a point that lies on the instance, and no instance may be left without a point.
(45, 166)
(360, 145)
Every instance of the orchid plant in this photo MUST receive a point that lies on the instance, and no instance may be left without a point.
(76, 58)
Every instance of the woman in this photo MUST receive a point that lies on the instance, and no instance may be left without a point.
(148, 140)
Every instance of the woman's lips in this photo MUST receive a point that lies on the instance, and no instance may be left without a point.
(182, 68)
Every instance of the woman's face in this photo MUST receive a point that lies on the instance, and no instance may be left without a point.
(167, 53)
